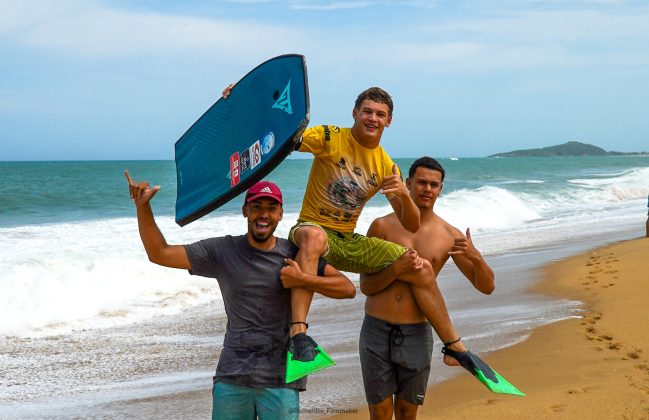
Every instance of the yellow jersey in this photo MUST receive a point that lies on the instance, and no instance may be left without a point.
(344, 176)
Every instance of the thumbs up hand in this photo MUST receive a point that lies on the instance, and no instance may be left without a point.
(393, 186)
(464, 246)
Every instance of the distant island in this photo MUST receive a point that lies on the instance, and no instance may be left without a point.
(572, 148)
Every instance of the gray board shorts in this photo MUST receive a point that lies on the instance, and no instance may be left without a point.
(395, 359)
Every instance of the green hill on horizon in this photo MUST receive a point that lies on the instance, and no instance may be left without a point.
(572, 148)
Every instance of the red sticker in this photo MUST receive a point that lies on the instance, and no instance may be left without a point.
(235, 169)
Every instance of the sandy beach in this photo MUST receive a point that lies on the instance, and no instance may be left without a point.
(595, 366)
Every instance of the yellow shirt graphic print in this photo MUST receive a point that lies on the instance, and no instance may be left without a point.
(344, 176)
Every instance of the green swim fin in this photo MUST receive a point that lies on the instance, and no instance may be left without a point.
(304, 357)
(485, 374)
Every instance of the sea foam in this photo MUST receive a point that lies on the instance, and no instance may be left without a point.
(86, 275)
(65, 276)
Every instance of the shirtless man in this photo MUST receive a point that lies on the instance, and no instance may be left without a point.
(396, 342)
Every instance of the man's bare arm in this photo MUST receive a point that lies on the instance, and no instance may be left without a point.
(471, 263)
(155, 245)
(402, 204)
(333, 284)
(372, 284)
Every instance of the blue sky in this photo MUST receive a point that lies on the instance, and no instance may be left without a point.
(89, 79)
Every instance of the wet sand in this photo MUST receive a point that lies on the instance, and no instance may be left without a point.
(595, 366)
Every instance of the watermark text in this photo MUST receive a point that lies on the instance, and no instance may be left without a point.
(319, 410)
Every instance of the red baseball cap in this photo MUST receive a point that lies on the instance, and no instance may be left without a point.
(264, 189)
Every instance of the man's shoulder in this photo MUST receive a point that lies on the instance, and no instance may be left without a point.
(386, 160)
(284, 244)
(387, 219)
(286, 247)
(234, 239)
(217, 243)
(325, 135)
(384, 225)
(440, 229)
(325, 129)
(212, 240)
(440, 225)
(452, 230)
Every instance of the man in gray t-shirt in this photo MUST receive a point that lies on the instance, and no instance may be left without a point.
(254, 348)
(255, 273)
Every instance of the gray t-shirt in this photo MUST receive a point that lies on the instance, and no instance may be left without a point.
(257, 305)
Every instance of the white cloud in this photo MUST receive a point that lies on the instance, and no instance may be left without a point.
(506, 40)
(555, 26)
(92, 30)
(19, 16)
(488, 38)
(393, 59)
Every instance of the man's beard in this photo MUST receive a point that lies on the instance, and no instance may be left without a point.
(261, 239)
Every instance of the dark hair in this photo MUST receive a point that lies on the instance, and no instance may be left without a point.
(426, 162)
(375, 94)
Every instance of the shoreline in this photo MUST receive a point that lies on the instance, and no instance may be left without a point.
(592, 366)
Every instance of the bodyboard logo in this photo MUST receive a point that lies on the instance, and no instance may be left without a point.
(284, 100)
(235, 170)
(268, 143)
(255, 154)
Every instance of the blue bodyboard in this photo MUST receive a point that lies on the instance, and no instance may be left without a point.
(241, 139)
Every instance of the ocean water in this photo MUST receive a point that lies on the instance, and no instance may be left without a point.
(73, 270)
(71, 256)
